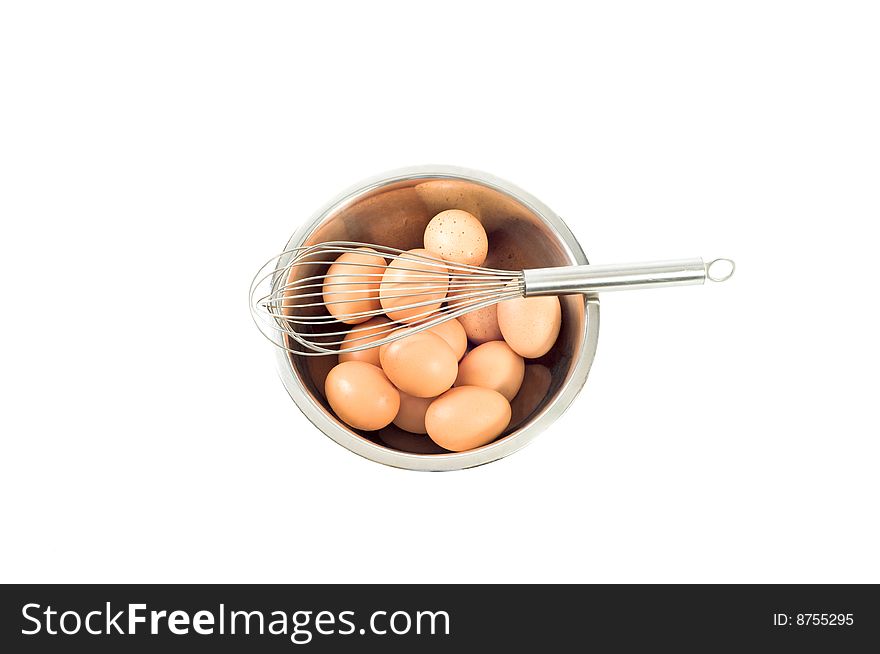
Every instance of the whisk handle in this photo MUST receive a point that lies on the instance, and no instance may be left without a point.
(623, 277)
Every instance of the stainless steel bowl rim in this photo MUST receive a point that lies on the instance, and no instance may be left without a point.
(539, 422)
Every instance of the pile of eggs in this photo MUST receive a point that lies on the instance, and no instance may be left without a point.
(460, 384)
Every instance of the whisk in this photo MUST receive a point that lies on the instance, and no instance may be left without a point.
(306, 310)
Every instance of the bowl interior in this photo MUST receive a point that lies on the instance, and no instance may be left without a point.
(395, 214)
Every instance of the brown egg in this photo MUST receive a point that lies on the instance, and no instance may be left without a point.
(411, 415)
(398, 439)
(410, 281)
(351, 285)
(361, 395)
(535, 385)
(467, 417)
(376, 328)
(492, 365)
(421, 364)
(457, 236)
(453, 333)
(530, 325)
(480, 325)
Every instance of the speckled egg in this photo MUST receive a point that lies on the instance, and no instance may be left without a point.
(457, 236)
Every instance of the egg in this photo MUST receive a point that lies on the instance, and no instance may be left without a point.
(530, 325)
(376, 328)
(409, 281)
(467, 417)
(453, 333)
(492, 365)
(421, 364)
(480, 325)
(361, 395)
(351, 285)
(534, 388)
(457, 236)
(411, 414)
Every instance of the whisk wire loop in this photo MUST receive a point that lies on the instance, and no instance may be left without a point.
(303, 308)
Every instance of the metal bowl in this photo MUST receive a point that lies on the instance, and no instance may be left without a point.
(393, 209)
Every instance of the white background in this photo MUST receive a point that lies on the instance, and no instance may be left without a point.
(155, 154)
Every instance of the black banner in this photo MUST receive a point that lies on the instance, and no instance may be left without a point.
(398, 618)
